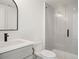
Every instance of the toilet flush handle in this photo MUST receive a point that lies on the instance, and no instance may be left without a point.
(34, 55)
(33, 50)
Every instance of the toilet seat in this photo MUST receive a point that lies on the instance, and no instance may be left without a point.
(47, 53)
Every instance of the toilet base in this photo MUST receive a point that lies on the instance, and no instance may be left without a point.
(45, 58)
(38, 57)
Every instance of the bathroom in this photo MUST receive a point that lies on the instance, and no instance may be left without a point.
(45, 24)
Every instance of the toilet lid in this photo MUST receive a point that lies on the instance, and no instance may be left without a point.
(47, 53)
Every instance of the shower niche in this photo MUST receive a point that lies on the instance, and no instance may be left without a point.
(8, 15)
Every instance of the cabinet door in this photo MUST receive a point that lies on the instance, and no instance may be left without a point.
(30, 57)
(18, 53)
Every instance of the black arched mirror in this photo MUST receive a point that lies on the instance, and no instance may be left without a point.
(8, 15)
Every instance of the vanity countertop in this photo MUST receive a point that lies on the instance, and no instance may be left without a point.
(14, 44)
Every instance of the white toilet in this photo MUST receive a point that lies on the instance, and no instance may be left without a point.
(45, 54)
(42, 53)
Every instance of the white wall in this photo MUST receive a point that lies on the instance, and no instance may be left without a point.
(31, 21)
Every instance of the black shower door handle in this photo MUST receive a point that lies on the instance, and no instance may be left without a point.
(67, 32)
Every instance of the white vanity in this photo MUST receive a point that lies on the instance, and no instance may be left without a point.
(16, 49)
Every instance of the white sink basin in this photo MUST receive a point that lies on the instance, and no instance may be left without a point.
(14, 44)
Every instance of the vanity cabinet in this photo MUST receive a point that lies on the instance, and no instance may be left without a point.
(21, 53)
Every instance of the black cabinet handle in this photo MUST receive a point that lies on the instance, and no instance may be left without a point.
(67, 32)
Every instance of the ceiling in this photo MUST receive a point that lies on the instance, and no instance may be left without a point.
(61, 2)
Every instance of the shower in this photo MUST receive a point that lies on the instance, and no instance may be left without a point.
(61, 20)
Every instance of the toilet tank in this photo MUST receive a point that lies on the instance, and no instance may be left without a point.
(38, 46)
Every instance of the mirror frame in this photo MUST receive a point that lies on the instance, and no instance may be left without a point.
(17, 20)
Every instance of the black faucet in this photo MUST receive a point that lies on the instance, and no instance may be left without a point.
(5, 36)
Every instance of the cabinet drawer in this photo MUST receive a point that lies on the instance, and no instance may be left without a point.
(18, 53)
(30, 57)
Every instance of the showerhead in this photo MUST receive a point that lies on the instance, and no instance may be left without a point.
(46, 7)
